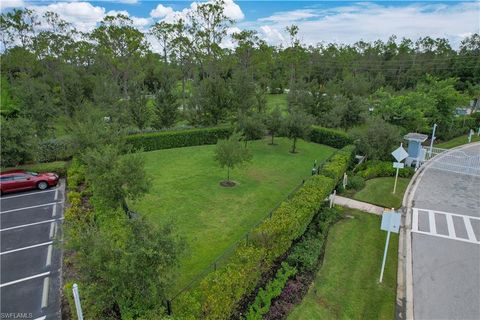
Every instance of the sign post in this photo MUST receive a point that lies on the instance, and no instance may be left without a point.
(390, 223)
(78, 306)
(433, 139)
(470, 134)
(399, 154)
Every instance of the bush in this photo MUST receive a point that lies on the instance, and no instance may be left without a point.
(356, 183)
(272, 290)
(329, 137)
(53, 150)
(338, 163)
(176, 139)
(374, 169)
(76, 174)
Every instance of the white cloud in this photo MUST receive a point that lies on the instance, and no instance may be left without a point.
(233, 10)
(161, 11)
(138, 22)
(4, 4)
(128, 1)
(83, 15)
(369, 22)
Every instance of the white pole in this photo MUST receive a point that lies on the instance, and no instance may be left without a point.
(332, 198)
(76, 297)
(396, 178)
(470, 134)
(386, 249)
(433, 138)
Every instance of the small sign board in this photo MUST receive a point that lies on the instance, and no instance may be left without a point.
(390, 221)
(399, 165)
(400, 154)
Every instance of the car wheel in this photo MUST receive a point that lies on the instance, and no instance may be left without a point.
(42, 185)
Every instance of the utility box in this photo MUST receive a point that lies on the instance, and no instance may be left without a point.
(416, 153)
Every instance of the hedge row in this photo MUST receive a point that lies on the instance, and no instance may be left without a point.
(330, 137)
(374, 169)
(177, 139)
(338, 163)
(220, 292)
(264, 298)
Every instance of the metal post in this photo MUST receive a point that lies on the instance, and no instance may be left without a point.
(78, 306)
(433, 138)
(385, 251)
(396, 178)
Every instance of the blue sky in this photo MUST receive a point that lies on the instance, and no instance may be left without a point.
(319, 21)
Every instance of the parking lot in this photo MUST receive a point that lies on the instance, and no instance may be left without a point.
(30, 254)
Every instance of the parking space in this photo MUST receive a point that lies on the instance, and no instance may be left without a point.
(30, 255)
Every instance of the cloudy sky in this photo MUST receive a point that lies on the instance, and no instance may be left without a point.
(319, 21)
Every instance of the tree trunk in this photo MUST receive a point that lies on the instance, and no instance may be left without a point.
(183, 92)
(294, 145)
(228, 173)
(272, 139)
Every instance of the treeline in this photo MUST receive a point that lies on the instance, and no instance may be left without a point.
(51, 73)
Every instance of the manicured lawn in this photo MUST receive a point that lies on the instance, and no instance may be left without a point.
(274, 100)
(186, 190)
(458, 141)
(346, 287)
(379, 191)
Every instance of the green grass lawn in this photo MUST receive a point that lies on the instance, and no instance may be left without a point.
(346, 287)
(458, 141)
(211, 218)
(274, 100)
(379, 191)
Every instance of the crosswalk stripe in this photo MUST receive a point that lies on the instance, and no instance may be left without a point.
(451, 228)
(431, 220)
(468, 226)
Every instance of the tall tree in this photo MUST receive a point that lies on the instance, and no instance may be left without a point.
(229, 154)
(297, 125)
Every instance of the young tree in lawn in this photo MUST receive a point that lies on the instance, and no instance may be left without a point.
(252, 127)
(274, 122)
(229, 153)
(297, 125)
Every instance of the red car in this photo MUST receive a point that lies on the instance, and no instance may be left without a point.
(19, 180)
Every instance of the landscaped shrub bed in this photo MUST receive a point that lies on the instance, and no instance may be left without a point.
(330, 137)
(219, 293)
(176, 139)
(374, 169)
(336, 166)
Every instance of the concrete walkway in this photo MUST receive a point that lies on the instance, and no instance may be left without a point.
(354, 204)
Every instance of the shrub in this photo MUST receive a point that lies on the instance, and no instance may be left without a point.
(356, 183)
(53, 150)
(374, 169)
(338, 163)
(272, 290)
(176, 139)
(329, 137)
(76, 174)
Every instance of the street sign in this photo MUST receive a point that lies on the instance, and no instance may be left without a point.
(390, 221)
(400, 154)
(399, 165)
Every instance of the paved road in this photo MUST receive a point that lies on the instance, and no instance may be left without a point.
(30, 258)
(445, 226)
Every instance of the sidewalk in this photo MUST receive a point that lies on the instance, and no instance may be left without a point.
(354, 204)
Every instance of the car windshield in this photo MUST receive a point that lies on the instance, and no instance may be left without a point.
(32, 173)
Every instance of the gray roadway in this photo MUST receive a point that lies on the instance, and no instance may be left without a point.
(30, 258)
(446, 244)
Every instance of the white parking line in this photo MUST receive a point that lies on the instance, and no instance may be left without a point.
(28, 194)
(26, 248)
(24, 279)
(32, 207)
(30, 224)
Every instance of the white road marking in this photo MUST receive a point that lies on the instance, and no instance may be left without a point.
(451, 228)
(46, 285)
(48, 262)
(26, 248)
(468, 226)
(431, 220)
(32, 207)
(415, 219)
(25, 279)
(30, 224)
(28, 194)
(52, 226)
(54, 211)
(41, 318)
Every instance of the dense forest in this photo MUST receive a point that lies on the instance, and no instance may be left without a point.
(52, 73)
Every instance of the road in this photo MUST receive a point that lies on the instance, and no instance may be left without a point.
(445, 241)
(30, 255)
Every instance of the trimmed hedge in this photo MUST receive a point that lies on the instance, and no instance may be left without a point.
(338, 163)
(330, 137)
(177, 139)
(220, 292)
(264, 298)
(375, 169)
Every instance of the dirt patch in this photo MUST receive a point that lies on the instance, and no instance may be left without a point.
(227, 184)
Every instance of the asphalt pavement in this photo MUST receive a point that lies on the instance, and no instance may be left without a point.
(30, 254)
(445, 243)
